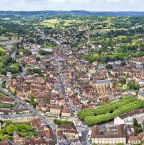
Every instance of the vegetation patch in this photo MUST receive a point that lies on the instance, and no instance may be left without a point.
(14, 68)
(110, 111)
(2, 49)
(24, 130)
(62, 122)
(5, 105)
(53, 23)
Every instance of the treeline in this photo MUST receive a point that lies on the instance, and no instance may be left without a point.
(109, 111)
(105, 108)
(6, 63)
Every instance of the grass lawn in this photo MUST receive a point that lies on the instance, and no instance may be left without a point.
(122, 37)
(2, 49)
(50, 23)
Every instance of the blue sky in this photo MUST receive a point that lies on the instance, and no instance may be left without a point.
(91, 5)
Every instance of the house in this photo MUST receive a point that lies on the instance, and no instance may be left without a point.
(127, 118)
(46, 132)
(141, 95)
(84, 100)
(7, 100)
(98, 138)
(18, 118)
(5, 141)
(42, 99)
(65, 111)
(138, 62)
(141, 82)
(69, 132)
(55, 110)
(133, 140)
(36, 123)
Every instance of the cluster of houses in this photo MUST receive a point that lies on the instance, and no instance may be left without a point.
(12, 111)
(121, 132)
(67, 134)
(88, 85)
(44, 136)
(114, 135)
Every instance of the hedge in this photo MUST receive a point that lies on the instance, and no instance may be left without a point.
(92, 120)
(110, 107)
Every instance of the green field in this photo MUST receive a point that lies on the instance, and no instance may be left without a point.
(58, 22)
(2, 49)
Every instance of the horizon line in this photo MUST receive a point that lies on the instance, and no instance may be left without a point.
(67, 11)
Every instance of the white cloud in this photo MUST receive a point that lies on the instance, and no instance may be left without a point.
(113, 0)
(92, 5)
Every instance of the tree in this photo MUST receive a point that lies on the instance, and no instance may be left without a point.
(27, 52)
(4, 84)
(135, 122)
(14, 68)
(32, 101)
(132, 85)
(137, 127)
(122, 82)
(110, 110)
(122, 63)
(109, 66)
(43, 52)
(11, 128)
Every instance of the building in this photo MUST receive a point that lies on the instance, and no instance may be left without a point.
(65, 111)
(141, 95)
(6, 141)
(55, 110)
(133, 140)
(69, 132)
(18, 118)
(141, 82)
(103, 139)
(138, 62)
(101, 86)
(127, 118)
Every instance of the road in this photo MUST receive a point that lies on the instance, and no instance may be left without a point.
(83, 129)
(45, 121)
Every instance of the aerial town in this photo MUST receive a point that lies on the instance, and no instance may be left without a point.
(71, 79)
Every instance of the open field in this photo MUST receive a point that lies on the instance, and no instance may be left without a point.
(58, 22)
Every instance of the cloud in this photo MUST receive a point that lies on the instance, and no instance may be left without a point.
(113, 0)
(91, 5)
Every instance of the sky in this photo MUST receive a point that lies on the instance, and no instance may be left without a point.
(90, 5)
